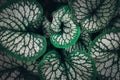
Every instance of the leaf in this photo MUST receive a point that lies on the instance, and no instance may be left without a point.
(94, 15)
(46, 27)
(18, 30)
(66, 32)
(20, 15)
(105, 50)
(76, 65)
(12, 69)
(82, 43)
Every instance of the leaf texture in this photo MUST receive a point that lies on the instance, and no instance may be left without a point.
(105, 50)
(94, 15)
(12, 69)
(76, 65)
(18, 38)
(66, 32)
(82, 43)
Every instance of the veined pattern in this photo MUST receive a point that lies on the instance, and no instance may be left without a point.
(105, 50)
(10, 68)
(76, 65)
(94, 15)
(66, 32)
(17, 26)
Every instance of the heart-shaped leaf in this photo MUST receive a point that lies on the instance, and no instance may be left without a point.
(12, 69)
(76, 65)
(18, 27)
(66, 32)
(94, 15)
(105, 50)
(82, 43)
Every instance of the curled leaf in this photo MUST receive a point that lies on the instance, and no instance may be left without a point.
(66, 32)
